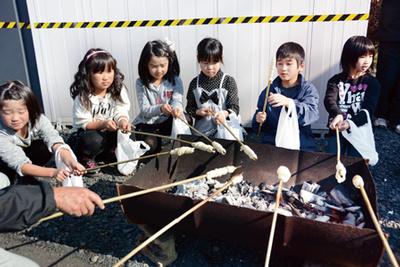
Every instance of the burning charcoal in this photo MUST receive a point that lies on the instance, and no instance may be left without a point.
(312, 188)
(309, 203)
(360, 218)
(318, 207)
(353, 209)
(322, 218)
(262, 186)
(311, 216)
(226, 200)
(244, 190)
(340, 196)
(261, 206)
(350, 219)
(293, 198)
(308, 197)
(340, 209)
(294, 210)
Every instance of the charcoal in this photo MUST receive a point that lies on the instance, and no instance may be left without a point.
(353, 209)
(308, 197)
(323, 218)
(312, 188)
(311, 202)
(350, 219)
(340, 196)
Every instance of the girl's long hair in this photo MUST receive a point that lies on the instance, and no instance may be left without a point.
(158, 48)
(96, 60)
(16, 90)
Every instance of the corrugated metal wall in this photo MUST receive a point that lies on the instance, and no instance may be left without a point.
(248, 48)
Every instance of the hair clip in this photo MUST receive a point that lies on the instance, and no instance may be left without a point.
(170, 44)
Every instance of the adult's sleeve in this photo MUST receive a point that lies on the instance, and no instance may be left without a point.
(23, 205)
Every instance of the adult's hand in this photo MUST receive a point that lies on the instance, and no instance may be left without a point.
(77, 201)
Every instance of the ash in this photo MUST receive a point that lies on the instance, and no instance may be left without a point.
(309, 202)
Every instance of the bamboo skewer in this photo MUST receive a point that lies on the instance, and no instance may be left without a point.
(171, 152)
(338, 144)
(271, 72)
(158, 135)
(235, 179)
(197, 145)
(340, 168)
(245, 148)
(230, 131)
(209, 175)
(217, 146)
(125, 161)
(283, 176)
(195, 130)
(358, 182)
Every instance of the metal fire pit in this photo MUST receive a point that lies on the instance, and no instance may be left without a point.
(338, 244)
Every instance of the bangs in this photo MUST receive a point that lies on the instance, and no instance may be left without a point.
(290, 50)
(212, 56)
(102, 62)
(364, 48)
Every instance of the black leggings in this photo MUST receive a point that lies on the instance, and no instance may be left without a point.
(94, 145)
(154, 143)
(163, 128)
(37, 152)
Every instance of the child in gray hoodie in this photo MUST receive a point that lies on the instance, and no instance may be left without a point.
(28, 139)
(159, 91)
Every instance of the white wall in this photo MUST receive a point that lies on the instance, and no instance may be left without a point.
(248, 48)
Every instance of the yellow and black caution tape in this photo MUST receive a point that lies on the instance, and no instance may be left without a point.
(183, 22)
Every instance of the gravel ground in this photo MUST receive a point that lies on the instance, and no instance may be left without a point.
(106, 237)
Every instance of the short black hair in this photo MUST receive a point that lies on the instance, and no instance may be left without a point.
(16, 90)
(291, 50)
(210, 50)
(355, 47)
(158, 48)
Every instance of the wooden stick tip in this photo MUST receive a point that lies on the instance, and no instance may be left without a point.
(358, 181)
(283, 173)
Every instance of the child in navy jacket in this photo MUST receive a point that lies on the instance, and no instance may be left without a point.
(290, 84)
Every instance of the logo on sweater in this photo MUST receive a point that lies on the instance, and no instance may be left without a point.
(351, 96)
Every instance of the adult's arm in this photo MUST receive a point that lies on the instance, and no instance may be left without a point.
(23, 205)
